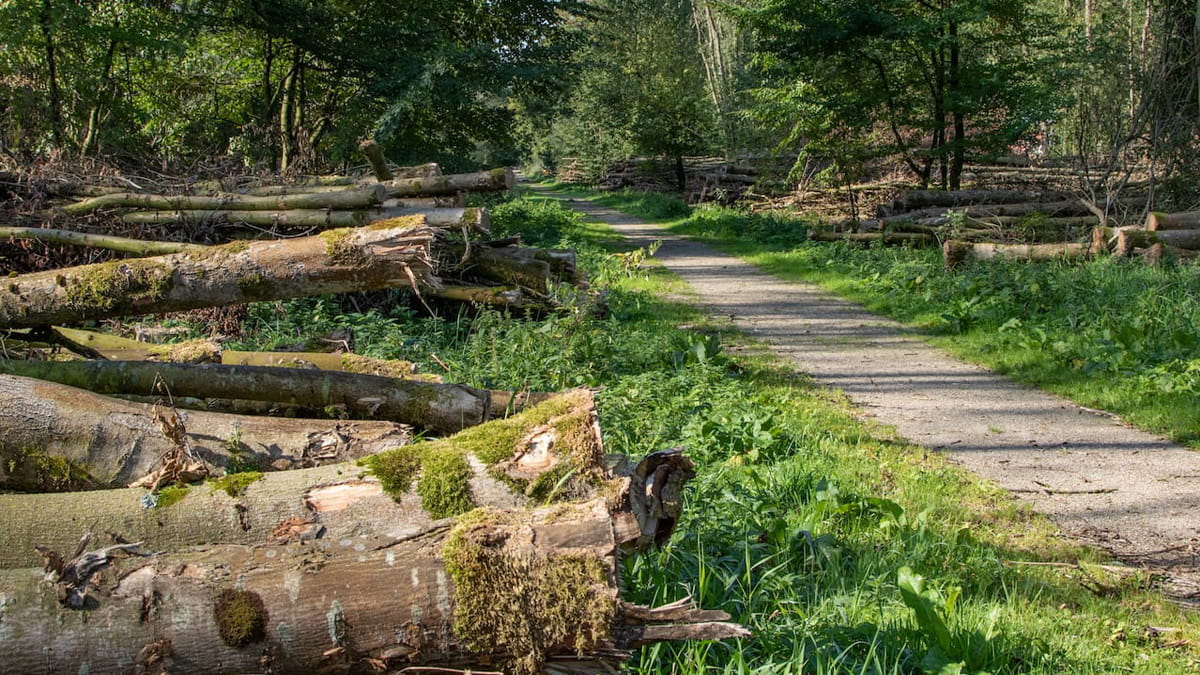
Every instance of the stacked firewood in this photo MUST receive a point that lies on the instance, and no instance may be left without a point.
(183, 507)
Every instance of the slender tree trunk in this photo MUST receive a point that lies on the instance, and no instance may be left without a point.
(287, 113)
(94, 113)
(960, 130)
(56, 121)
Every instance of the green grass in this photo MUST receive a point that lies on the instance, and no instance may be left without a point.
(1109, 333)
(803, 523)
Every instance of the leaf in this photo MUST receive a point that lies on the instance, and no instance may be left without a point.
(923, 606)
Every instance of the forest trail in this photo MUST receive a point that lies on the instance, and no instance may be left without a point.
(1124, 490)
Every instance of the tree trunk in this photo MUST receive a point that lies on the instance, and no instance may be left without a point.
(374, 154)
(54, 437)
(123, 244)
(1128, 239)
(915, 199)
(525, 591)
(550, 453)
(867, 237)
(495, 180)
(358, 198)
(476, 219)
(297, 219)
(955, 252)
(430, 405)
(335, 261)
(1187, 220)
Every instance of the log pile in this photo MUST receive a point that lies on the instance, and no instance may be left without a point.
(187, 508)
(1176, 234)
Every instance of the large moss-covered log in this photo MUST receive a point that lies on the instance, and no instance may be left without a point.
(495, 180)
(549, 454)
(474, 219)
(1186, 220)
(389, 254)
(523, 591)
(360, 198)
(55, 437)
(429, 405)
(1126, 239)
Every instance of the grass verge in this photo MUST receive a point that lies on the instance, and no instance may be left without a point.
(843, 548)
(1108, 333)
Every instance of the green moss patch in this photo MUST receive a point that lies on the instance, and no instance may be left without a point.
(241, 617)
(35, 470)
(170, 496)
(117, 285)
(528, 606)
(341, 248)
(234, 484)
(442, 472)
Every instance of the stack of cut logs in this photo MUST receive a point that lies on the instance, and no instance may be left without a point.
(160, 515)
(1161, 233)
(982, 224)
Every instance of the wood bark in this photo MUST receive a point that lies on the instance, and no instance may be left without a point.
(1187, 220)
(334, 262)
(915, 199)
(296, 218)
(374, 154)
(429, 405)
(866, 237)
(475, 219)
(123, 244)
(527, 592)
(1127, 239)
(512, 463)
(955, 252)
(359, 198)
(495, 180)
(54, 437)
(456, 201)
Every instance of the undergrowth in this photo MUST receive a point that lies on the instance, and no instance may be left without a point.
(842, 548)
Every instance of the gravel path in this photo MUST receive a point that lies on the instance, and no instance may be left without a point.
(1127, 491)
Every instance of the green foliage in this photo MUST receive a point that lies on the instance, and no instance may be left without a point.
(801, 518)
(923, 82)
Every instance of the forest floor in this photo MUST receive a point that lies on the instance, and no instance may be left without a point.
(1104, 483)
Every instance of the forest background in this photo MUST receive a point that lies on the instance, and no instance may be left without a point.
(290, 85)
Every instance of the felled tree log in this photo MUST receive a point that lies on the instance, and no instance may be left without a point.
(360, 198)
(1158, 221)
(526, 591)
(915, 199)
(335, 261)
(54, 437)
(511, 297)
(296, 218)
(867, 237)
(531, 268)
(955, 252)
(116, 348)
(455, 201)
(552, 452)
(475, 219)
(125, 245)
(430, 405)
(1127, 239)
(495, 180)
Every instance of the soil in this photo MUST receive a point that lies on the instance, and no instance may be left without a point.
(1103, 482)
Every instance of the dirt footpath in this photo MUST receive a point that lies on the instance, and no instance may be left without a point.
(1124, 490)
